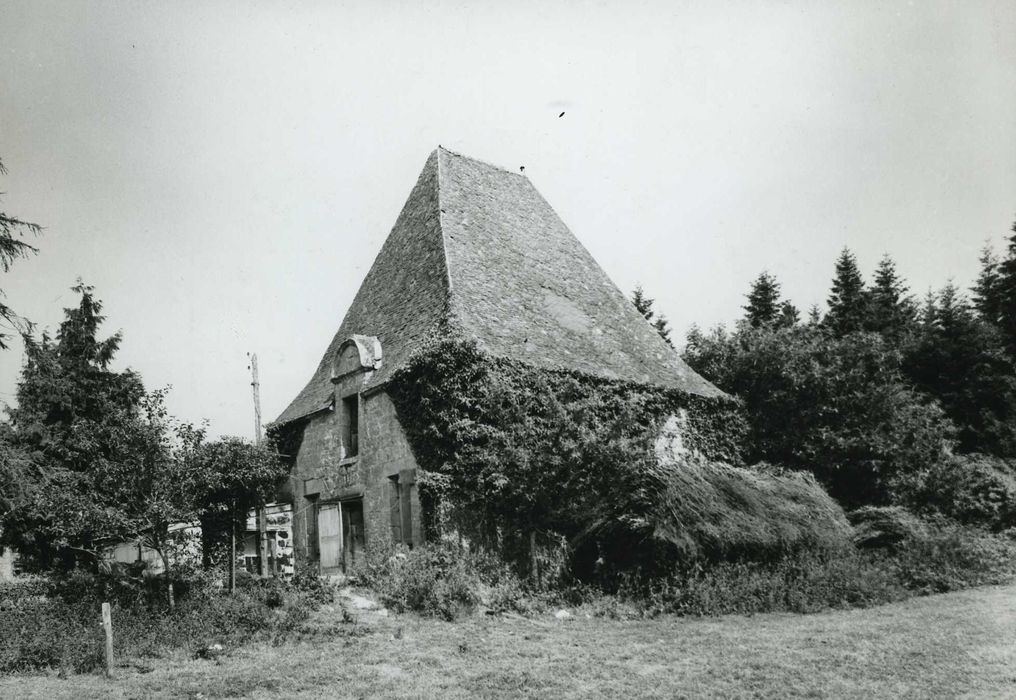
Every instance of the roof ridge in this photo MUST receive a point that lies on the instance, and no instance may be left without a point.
(441, 230)
(481, 162)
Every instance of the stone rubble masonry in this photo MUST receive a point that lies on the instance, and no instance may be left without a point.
(384, 452)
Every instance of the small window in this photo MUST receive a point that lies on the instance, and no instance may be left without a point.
(350, 426)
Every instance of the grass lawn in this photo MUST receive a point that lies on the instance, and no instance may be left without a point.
(959, 644)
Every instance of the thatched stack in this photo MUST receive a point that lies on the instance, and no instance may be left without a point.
(709, 509)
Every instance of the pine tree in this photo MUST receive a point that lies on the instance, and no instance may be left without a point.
(789, 315)
(12, 247)
(960, 360)
(662, 326)
(644, 305)
(1006, 294)
(847, 299)
(814, 315)
(986, 289)
(890, 310)
(763, 308)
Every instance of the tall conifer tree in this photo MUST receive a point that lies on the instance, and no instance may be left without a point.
(891, 311)
(847, 299)
(1006, 294)
(763, 307)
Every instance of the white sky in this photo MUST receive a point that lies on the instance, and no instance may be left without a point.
(224, 173)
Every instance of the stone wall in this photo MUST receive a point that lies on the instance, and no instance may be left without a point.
(324, 470)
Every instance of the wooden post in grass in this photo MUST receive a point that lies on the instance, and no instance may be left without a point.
(232, 546)
(107, 626)
(534, 562)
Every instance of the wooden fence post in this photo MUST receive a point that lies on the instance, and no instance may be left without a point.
(232, 547)
(107, 626)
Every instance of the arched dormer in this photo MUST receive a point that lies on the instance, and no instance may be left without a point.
(358, 353)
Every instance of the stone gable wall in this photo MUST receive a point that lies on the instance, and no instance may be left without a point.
(320, 469)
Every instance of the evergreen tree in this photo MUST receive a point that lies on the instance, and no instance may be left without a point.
(1006, 294)
(847, 299)
(763, 308)
(814, 315)
(644, 305)
(789, 315)
(986, 289)
(891, 311)
(12, 247)
(960, 360)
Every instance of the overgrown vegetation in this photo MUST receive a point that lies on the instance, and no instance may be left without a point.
(512, 454)
(875, 396)
(91, 458)
(448, 580)
(53, 623)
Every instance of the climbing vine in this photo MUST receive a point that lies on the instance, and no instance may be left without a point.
(508, 450)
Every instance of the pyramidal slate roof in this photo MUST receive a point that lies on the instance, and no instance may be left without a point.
(478, 253)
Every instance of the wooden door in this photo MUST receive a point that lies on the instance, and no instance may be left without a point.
(329, 537)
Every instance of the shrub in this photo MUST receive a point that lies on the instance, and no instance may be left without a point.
(55, 623)
(802, 582)
(885, 526)
(973, 489)
(439, 579)
(837, 407)
(931, 557)
(950, 557)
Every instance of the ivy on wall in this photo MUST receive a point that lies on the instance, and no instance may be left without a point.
(508, 450)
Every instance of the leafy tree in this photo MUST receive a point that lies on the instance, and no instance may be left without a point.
(847, 299)
(838, 407)
(72, 414)
(763, 308)
(230, 476)
(116, 465)
(961, 360)
(12, 247)
(644, 305)
(890, 310)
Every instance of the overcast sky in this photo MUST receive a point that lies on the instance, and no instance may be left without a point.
(224, 173)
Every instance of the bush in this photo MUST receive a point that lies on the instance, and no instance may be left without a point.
(840, 408)
(885, 526)
(951, 557)
(54, 624)
(973, 489)
(932, 557)
(439, 579)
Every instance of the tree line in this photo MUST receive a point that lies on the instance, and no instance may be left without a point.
(884, 397)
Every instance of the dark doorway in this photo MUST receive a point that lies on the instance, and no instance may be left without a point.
(353, 540)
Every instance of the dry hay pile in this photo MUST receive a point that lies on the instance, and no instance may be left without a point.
(713, 510)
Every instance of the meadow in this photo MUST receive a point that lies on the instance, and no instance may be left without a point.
(949, 645)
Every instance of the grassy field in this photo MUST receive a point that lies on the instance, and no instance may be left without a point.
(959, 644)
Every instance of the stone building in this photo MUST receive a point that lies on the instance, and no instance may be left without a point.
(476, 253)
